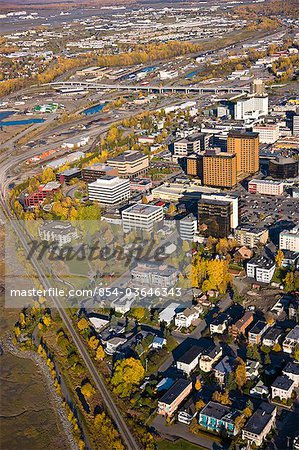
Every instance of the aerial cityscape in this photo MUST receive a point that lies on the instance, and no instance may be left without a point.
(149, 224)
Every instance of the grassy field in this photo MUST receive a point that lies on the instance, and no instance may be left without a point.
(180, 444)
(27, 419)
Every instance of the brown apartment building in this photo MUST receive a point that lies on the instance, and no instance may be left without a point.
(195, 165)
(219, 169)
(241, 325)
(245, 145)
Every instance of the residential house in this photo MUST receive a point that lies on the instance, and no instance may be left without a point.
(291, 340)
(113, 344)
(187, 412)
(209, 358)
(168, 313)
(241, 325)
(292, 371)
(219, 324)
(185, 318)
(222, 369)
(158, 343)
(189, 360)
(252, 369)
(218, 418)
(282, 387)
(271, 336)
(256, 332)
(171, 400)
(260, 424)
(259, 390)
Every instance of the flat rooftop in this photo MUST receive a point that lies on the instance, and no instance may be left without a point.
(107, 181)
(144, 210)
(128, 156)
(179, 386)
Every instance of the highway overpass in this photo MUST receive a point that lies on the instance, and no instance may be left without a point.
(148, 88)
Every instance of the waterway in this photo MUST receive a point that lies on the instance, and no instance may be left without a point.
(94, 109)
(12, 123)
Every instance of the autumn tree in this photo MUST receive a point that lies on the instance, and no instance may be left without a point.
(221, 397)
(127, 375)
(87, 389)
(100, 353)
(199, 404)
(83, 324)
(240, 373)
(279, 258)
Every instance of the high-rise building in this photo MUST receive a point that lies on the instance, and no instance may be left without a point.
(130, 164)
(214, 218)
(109, 190)
(246, 147)
(251, 106)
(233, 200)
(258, 87)
(283, 168)
(296, 124)
(195, 165)
(219, 169)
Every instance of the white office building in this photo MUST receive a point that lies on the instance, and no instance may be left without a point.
(289, 239)
(265, 187)
(109, 190)
(188, 227)
(268, 133)
(251, 107)
(142, 217)
(186, 146)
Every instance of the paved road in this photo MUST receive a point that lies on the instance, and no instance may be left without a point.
(180, 430)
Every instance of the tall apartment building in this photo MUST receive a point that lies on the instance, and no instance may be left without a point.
(289, 239)
(214, 218)
(296, 124)
(130, 164)
(92, 173)
(245, 146)
(141, 217)
(219, 169)
(283, 168)
(265, 187)
(109, 190)
(258, 87)
(195, 165)
(268, 133)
